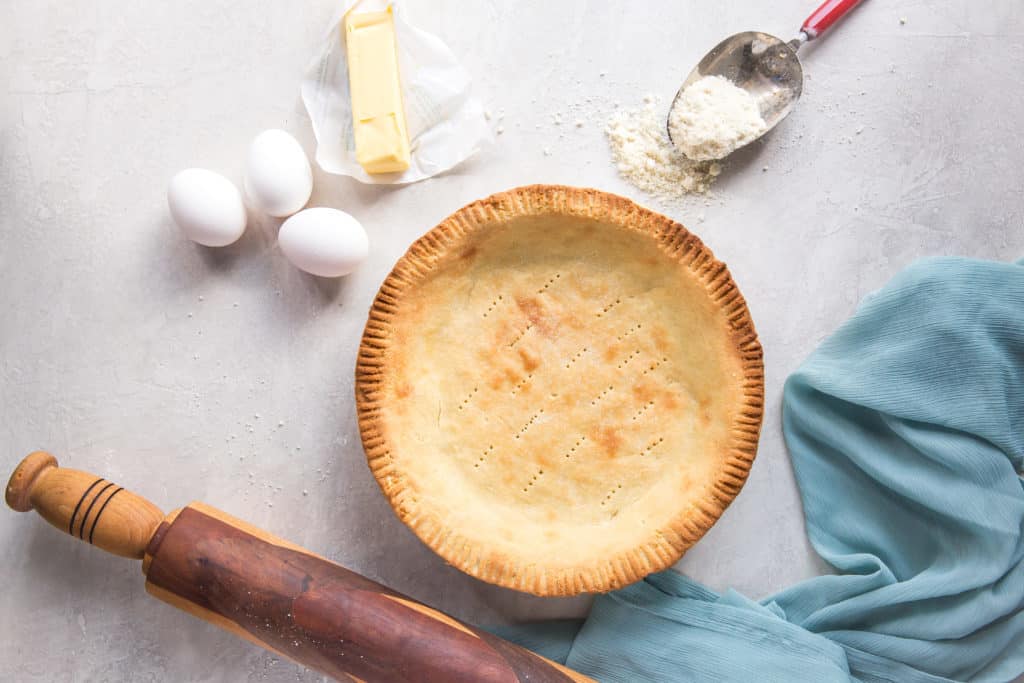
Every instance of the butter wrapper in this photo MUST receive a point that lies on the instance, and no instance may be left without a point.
(446, 122)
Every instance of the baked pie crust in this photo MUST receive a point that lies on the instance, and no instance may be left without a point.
(558, 390)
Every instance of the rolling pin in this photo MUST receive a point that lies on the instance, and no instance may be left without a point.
(271, 592)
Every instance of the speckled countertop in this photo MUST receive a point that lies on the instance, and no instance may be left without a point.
(226, 376)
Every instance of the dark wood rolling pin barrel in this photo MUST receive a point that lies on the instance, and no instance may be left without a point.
(270, 591)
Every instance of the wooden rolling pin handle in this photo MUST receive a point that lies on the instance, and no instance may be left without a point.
(84, 505)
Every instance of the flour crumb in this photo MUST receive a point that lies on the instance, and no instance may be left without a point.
(903, 21)
(547, 151)
(500, 130)
(579, 123)
(713, 118)
(645, 157)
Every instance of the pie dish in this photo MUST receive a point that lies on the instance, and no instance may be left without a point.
(558, 390)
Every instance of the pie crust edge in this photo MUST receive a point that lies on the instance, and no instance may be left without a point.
(427, 253)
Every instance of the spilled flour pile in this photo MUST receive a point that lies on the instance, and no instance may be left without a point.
(645, 156)
(713, 118)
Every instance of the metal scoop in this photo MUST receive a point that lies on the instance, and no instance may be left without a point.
(765, 66)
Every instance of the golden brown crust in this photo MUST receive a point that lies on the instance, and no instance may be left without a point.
(663, 546)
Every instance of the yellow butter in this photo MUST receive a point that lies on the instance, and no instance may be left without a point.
(378, 114)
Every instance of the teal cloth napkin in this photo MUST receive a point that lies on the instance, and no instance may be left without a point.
(906, 432)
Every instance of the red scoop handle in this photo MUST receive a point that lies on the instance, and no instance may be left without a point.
(829, 13)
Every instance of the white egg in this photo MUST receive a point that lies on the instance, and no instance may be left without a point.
(324, 242)
(207, 207)
(278, 179)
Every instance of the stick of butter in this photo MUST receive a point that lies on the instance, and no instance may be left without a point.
(378, 116)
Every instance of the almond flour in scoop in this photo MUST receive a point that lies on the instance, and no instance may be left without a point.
(713, 118)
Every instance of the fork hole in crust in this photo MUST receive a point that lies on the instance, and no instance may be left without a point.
(550, 282)
(597, 399)
(576, 357)
(630, 331)
(483, 456)
(533, 480)
(494, 305)
(616, 489)
(465, 401)
(609, 307)
(625, 361)
(651, 446)
(574, 447)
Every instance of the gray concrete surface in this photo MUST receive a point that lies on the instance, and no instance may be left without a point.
(226, 376)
